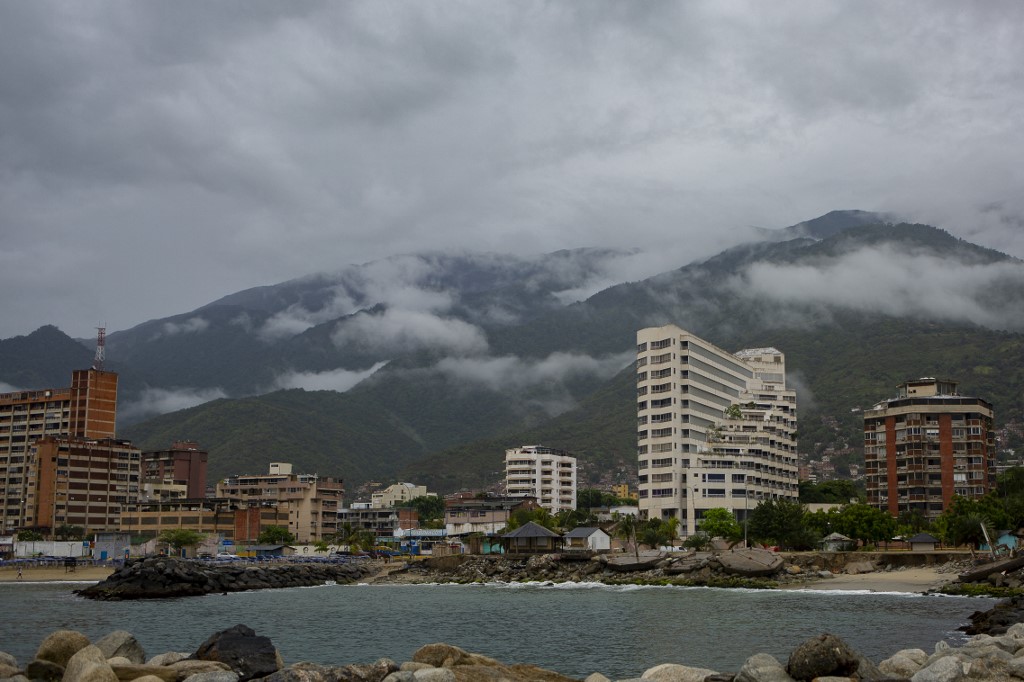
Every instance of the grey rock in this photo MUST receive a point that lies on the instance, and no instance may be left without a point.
(673, 672)
(60, 646)
(248, 654)
(7, 671)
(44, 670)
(762, 668)
(1015, 667)
(441, 655)
(900, 665)
(121, 643)
(312, 672)
(16, 678)
(213, 676)
(188, 667)
(168, 658)
(132, 671)
(945, 669)
(401, 676)
(596, 677)
(7, 659)
(822, 656)
(413, 666)
(89, 665)
(434, 675)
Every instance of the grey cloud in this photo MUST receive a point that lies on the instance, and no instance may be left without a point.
(895, 282)
(339, 380)
(512, 373)
(193, 325)
(154, 401)
(400, 331)
(253, 142)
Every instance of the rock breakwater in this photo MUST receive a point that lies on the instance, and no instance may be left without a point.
(162, 577)
(686, 569)
(238, 654)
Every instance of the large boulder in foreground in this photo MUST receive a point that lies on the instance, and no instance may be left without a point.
(61, 645)
(829, 656)
(248, 654)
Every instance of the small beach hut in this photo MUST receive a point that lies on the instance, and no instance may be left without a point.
(837, 542)
(531, 538)
(923, 542)
(584, 539)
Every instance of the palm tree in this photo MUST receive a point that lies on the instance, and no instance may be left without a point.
(625, 528)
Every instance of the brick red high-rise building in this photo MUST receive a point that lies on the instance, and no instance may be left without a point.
(926, 445)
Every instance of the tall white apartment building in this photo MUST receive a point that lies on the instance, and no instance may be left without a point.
(714, 429)
(546, 474)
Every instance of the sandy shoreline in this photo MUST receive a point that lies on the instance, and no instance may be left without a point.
(50, 574)
(908, 580)
(911, 580)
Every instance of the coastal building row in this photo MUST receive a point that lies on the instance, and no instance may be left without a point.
(714, 429)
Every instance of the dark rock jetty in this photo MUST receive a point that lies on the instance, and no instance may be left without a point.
(238, 654)
(162, 577)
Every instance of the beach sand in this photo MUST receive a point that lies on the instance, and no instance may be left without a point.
(907, 580)
(49, 574)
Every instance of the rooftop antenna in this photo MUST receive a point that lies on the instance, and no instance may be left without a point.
(101, 352)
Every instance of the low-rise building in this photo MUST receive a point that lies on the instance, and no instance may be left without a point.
(219, 518)
(176, 473)
(312, 501)
(486, 515)
(397, 493)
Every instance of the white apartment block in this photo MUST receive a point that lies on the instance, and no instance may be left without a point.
(546, 474)
(714, 429)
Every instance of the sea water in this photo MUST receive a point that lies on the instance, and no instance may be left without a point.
(575, 629)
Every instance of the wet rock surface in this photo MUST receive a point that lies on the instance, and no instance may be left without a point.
(163, 577)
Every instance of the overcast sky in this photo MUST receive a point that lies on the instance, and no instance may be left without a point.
(155, 156)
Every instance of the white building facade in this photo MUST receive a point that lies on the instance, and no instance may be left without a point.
(714, 429)
(543, 473)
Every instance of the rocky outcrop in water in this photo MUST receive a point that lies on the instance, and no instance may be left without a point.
(162, 577)
(238, 654)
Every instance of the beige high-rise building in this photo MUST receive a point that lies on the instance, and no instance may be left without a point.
(714, 429)
(543, 473)
(926, 445)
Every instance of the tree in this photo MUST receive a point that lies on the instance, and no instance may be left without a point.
(626, 528)
(68, 532)
(865, 523)
(781, 522)
(29, 536)
(275, 535)
(698, 541)
(720, 523)
(540, 516)
(429, 508)
(181, 537)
